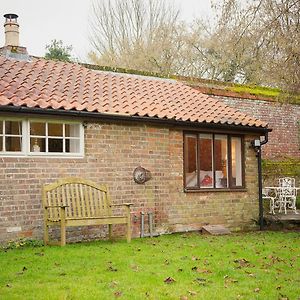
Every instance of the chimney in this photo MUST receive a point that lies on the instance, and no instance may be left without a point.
(11, 30)
(11, 48)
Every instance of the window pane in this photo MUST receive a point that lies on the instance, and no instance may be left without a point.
(1, 127)
(72, 130)
(37, 145)
(191, 161)
(12, 127)
(13, 144)
(72, 145)
(55, 145)
(221, 161)
(38, 129)
(55, 129)
(236, 164)
(206, 161)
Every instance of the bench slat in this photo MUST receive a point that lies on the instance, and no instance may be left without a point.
(76, 199)
(87, 201)
(91, 199)
(70, 209)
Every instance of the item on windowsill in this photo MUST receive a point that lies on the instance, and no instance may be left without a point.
(207, 180)
(36, 147)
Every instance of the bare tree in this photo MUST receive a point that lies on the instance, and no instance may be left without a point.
(141, 34)
(257, 42)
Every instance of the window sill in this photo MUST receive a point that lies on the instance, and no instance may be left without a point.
(214, 190)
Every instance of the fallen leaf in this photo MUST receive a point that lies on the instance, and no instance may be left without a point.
(184, 298)
(205, 262)
(118, 294)
(242, 262)
(8, 285)
(201, 281)
(19, 273)
(169, 280)
(113, 284)
(256, 290)
(230, 280)
(192, 293)
(180, 270)
(135, 268)
(111, 268)
(195, 258)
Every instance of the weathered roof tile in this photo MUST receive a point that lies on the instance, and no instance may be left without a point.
(57, 85)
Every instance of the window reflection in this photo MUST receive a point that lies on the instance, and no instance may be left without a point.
(191, 179)
(221, 161)
(206, 160)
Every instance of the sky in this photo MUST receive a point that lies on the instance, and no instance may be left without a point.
(68, 20)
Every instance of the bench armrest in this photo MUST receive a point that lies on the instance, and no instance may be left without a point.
(123, 204)
(52, 206)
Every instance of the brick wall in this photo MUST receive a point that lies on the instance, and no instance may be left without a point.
(112, 151)
(284, 140)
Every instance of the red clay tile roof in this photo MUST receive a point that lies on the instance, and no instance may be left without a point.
(69, 86)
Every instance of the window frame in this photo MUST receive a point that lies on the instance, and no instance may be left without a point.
(229, 162)
(25, 145)
(3, 135)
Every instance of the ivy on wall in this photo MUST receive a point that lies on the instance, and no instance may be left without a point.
(287, 167)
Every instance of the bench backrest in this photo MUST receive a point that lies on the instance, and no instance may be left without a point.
(83, 198)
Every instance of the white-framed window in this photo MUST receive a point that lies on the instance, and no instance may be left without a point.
(36, 137)
(11, 135)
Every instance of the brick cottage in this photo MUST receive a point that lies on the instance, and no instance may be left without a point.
(61, 119)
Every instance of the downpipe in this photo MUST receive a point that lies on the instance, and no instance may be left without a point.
(258, 148)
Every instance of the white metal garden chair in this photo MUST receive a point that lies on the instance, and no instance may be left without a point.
(287, 194)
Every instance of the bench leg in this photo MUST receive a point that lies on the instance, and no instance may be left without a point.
(110, 231)
(128, 224)
(46, 234)
(63, 227)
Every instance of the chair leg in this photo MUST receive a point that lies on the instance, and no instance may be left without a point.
(272, 205)
(110, 231)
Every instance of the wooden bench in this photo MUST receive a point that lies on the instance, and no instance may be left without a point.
(79, 202)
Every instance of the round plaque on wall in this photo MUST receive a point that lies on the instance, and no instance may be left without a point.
(141, 175)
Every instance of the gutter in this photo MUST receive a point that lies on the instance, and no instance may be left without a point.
(125, 117)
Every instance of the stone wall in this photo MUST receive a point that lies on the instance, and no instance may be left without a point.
(112, 152)
(284, 140)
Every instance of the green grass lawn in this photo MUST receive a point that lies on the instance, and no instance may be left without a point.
(189, 266)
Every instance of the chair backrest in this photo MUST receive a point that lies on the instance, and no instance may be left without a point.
(83, 198)
(287, 187)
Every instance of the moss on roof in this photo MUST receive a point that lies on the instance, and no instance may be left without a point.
(215, 86)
